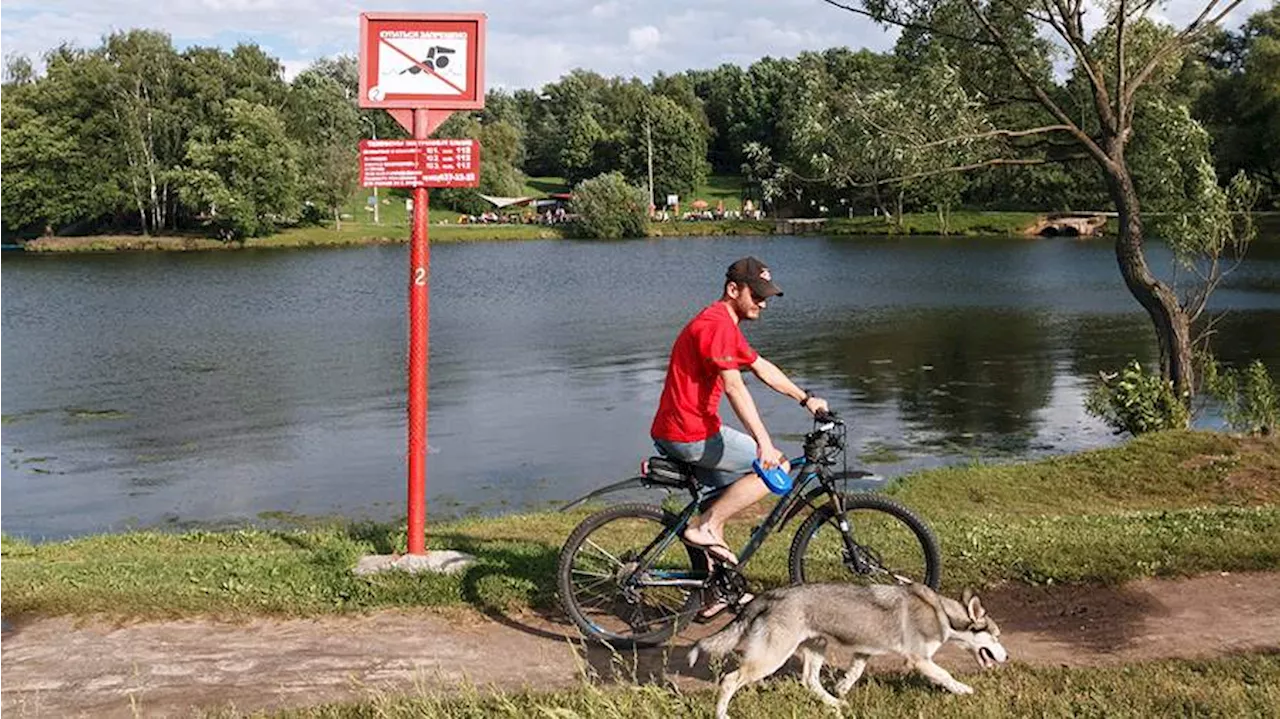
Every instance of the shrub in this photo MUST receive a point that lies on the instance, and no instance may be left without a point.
(1136, 401)
(608, 208)
(1250, 399)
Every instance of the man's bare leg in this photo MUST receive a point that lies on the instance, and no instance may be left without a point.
(709, 527)
(741, 494)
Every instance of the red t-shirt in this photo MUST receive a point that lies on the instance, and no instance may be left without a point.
(710, 343)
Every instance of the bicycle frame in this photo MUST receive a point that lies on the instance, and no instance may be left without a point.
(644, 575)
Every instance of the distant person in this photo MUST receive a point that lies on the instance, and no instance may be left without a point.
(707, 360)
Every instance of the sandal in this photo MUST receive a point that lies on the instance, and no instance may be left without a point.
(716, 551)
(711, 611)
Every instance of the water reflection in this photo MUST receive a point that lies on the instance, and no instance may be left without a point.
(218, 386)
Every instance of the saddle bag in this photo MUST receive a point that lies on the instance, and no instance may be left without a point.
(667, 473)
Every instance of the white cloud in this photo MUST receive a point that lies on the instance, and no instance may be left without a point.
(1179, 14)
(643, 39)
(293, 67)
(606, 9)
(530, 43)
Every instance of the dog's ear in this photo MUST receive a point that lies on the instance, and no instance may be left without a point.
(974, 606)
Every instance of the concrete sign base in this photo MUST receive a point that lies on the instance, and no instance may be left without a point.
(438, 561)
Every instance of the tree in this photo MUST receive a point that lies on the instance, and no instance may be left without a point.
(679, 148)
(500, 147)
(1119, 67)
(243, 175)
(323, 119)
(1241, 107)
(34, 150)
(608, 208)
(721, 91)
(18, 70)
(142, 93)
(59, 149)
(849, 131)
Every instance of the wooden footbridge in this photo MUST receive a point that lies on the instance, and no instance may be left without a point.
(1069, 224)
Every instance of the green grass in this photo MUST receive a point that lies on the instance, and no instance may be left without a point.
(715, 189)
(961, 222)
(545, 185)
(1234, 687)
(1163, 505)
(705, 228)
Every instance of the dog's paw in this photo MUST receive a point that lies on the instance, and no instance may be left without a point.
(960, 688)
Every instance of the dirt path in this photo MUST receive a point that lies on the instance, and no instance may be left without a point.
(64, 668)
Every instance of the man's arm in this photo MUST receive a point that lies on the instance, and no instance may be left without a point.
(769, 373)
(745, 407)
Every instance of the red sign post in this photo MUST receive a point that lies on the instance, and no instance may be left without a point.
(420, 67)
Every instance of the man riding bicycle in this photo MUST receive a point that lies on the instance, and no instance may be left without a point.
(707, 360)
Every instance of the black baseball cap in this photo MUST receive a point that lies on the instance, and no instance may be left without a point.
(754, 274)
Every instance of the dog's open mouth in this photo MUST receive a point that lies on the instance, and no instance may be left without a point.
(986, 659)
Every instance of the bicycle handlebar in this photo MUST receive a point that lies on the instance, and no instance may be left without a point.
(828, 416)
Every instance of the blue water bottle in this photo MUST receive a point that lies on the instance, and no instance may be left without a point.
(778, 481)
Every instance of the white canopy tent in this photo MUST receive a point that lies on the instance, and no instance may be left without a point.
(501, 202)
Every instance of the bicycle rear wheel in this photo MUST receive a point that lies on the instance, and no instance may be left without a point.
(601, 591)
(892, 545)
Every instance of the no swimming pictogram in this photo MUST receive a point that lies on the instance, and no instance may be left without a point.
(421, 61)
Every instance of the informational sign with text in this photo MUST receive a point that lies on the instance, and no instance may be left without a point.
(440, 162)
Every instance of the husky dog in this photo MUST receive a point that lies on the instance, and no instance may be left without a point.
(909, 620)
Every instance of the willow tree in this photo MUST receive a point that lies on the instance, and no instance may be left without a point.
(1115, 67)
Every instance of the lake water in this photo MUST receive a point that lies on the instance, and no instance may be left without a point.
(168, 389)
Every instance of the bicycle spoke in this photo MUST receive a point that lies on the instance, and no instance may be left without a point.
(610, 592)
(617, 562)
(593, 585)
(885, 550)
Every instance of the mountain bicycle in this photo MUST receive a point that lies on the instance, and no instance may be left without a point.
(626, 578)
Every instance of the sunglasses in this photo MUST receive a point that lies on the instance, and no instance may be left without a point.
(756, 297)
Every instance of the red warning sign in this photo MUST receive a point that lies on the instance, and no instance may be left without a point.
(441, 162)
(431, 60)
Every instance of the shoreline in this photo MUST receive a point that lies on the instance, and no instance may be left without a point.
(1101, 516)
(967, 224)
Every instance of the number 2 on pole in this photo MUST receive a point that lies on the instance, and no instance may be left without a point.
(419, 276)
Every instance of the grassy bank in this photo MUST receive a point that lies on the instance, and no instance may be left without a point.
(396, 230)
(350, 235)
(1171, 504)
(923, 223)
(1243, 686)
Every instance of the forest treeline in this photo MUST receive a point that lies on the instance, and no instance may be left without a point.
(136, 135)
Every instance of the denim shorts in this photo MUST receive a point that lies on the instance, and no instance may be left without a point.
(719, 460)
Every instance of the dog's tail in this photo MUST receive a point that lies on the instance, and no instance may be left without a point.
(726, 640)
(719, 644)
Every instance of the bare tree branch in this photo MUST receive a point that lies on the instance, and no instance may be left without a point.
(849, 181)
(1140, 9)
(997, 162)
(933, 30)
(1187, 36)
(1035, 88)
(1073, 23)
(1061, 28)
(1120, 79)
(998, 133)
(1027, 12)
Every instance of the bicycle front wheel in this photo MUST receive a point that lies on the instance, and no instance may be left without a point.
(888, 544)
(605, 593)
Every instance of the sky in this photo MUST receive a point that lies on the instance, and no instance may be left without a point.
(530, 43)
